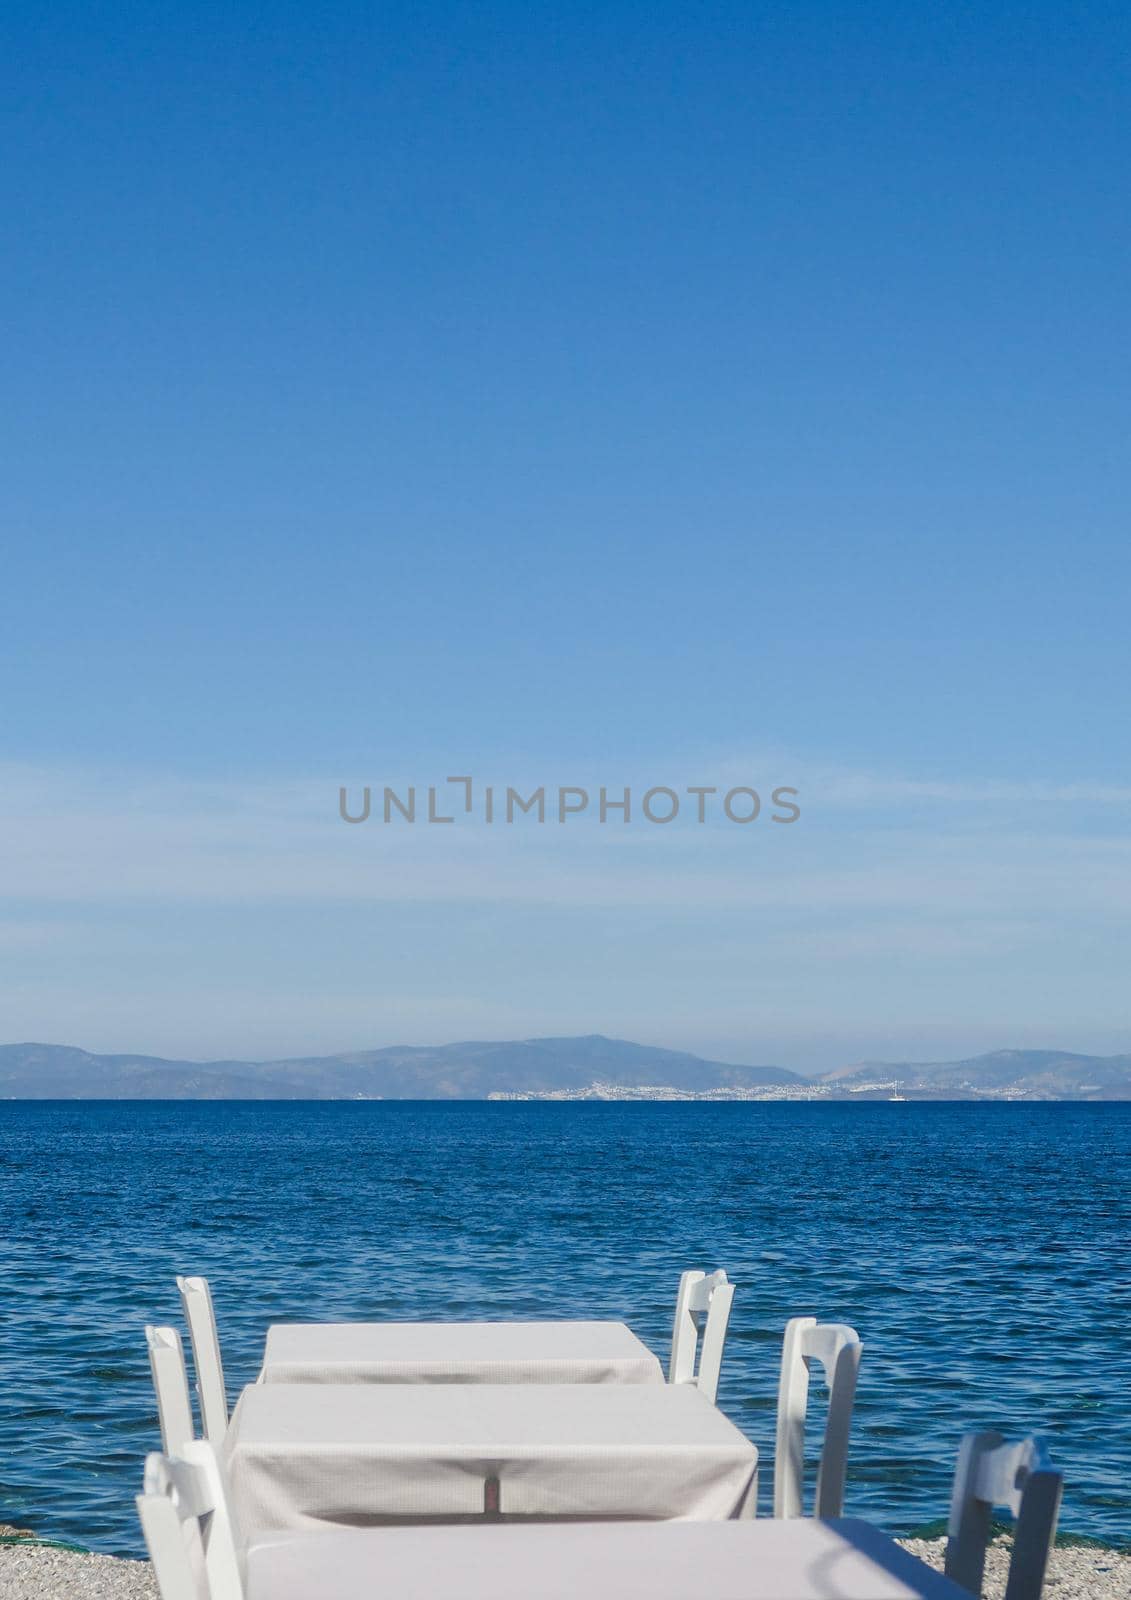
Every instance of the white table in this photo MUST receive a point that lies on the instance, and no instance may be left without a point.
(304, 1456)
(457, 1352)
(765, 1560)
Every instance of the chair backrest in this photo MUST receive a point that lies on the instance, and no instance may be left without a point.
(188, 1528)
(992, 1473)
(837, 1348)
(170, 1381)
(702, 1311)
(196, 1297)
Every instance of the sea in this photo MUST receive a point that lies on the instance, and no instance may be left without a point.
(981, 1251)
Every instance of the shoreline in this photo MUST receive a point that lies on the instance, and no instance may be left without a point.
(30, 1571)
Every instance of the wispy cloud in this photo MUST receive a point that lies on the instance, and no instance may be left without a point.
(78, 838)
(832, 787)
(130, 896)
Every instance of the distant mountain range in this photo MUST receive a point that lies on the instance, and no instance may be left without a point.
(470, 1071)
(589, 1067)
(1005, 1074)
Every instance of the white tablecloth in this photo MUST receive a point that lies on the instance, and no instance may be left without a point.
(765, 1560)
(457, 1352)
(303, 1456)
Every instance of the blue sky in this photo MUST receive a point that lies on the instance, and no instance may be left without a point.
(619, 394)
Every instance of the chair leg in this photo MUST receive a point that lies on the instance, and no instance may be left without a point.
(1033, 1535)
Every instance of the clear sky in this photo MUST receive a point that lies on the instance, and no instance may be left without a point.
(596, 394)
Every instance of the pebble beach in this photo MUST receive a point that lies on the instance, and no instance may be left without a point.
(35, 1572)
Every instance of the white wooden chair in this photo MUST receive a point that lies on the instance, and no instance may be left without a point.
(170, 1382)
(837, 1348)
(702, 1312)
(992, 1473)
(196, 1298)
(182, 1497)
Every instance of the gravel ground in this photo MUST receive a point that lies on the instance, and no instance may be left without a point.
(1081, 1572)
(31, 1572)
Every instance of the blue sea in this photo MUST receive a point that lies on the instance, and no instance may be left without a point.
(980, 1250)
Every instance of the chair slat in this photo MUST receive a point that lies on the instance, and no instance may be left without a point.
(196, 1297)
(170, 1382)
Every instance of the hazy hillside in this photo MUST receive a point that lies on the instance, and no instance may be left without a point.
(469, 1070)
(1028, 1074)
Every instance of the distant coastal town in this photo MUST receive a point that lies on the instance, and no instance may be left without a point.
(774, 1091)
